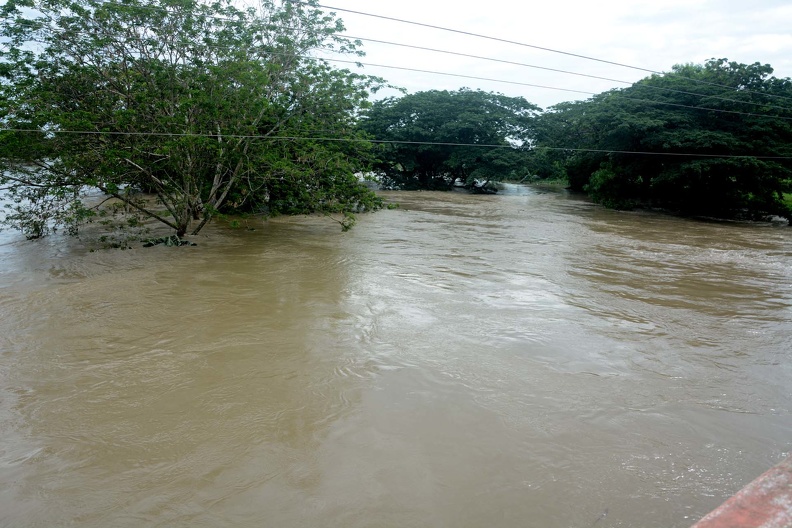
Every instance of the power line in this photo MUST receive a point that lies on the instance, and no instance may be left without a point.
(434, 72)
(637, 99)
(503, 61)
(477, 35)
(168, 12)
(387, 141)
(461, 75)
(567, 72)
(516, 43)
(518, 83)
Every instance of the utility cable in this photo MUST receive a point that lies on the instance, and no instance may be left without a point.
(567, 72)
(730, 88)
(393, 142)
(516, 43)
(671, 90)
(518, 83)
(532, 85)
(461, 75)
(649, 101)
(433, 72)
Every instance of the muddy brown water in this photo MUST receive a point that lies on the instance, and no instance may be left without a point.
(518, 360)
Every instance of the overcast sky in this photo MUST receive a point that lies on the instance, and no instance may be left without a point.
(652, 35)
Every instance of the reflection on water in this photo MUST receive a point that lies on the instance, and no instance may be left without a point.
(524, 359)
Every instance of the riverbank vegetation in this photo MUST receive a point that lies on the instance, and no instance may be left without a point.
(712, 139)
(182, 110)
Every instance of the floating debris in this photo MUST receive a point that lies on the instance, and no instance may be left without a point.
(170, 241)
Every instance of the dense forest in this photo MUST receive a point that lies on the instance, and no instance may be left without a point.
(182, 110)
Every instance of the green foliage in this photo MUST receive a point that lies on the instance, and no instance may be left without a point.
(786, 200)
(611, 189)
(458, 121)
(546, 165)
(654, 117)
(185, 99)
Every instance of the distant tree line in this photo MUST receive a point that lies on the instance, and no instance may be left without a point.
(712, 139)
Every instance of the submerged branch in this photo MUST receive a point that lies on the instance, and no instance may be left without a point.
(137, 206)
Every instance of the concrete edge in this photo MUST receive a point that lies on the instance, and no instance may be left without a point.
(764, 503)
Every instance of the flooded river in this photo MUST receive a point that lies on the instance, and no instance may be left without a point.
(519, 360)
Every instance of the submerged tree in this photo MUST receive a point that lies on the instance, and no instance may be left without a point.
(201, 103)
(431, 138)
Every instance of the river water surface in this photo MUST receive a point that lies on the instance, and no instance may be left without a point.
(519, 360)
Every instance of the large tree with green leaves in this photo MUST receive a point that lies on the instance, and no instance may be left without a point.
(202, 103)
(433, 137)
(710, 139)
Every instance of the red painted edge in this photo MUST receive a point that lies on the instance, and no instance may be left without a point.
(764, 503)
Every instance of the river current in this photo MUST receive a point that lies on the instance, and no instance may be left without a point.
(520, 360)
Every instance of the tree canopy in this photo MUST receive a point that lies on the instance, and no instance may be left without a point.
(704, 139)
(204, 104)
(431, 138)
